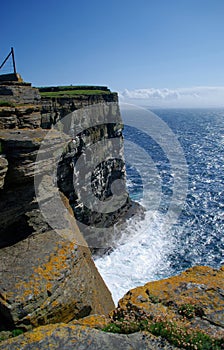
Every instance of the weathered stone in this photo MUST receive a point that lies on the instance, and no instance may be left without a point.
(47, 273)
(8, 118)
(19, 93)
(57, 108)
(48, 277)
(29, 116)
(193, 299)
(20, 117)
(68, 337)
(93, 321)
(21, 148)
(3, 170)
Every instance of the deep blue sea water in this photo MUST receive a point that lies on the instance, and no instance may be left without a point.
(145, 251)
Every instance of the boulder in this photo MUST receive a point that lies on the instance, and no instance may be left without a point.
(49, 277)
(188, 303)
(69, 337)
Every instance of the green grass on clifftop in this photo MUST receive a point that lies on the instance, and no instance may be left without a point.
(73, 90)
(70, 93)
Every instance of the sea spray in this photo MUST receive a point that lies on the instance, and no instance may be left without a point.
(141, 255)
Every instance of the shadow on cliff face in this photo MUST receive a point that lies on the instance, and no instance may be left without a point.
(15, 232)
(13, 207)
(6, 319)
(19, 215)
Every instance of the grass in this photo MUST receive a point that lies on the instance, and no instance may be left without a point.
(6, 104)
(12, 334)
(17, 332)
(185, 338)
(179, 336)
(69, 93)
(176, 333)
(187, 310)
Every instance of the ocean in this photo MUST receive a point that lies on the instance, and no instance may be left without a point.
(175, 169)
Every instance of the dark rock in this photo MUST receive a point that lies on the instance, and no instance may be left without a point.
(3, 170)
(20, 117)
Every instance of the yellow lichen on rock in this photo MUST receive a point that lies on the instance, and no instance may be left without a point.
(43, 276)
(193, 299)
(93, 321)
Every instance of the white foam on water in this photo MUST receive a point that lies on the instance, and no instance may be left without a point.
(140, 256)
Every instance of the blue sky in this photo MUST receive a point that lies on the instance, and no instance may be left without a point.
(152, 51)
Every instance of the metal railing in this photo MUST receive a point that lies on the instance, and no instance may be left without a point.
(13, 60)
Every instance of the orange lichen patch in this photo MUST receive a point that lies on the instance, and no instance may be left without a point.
(43, 276)
(55, 303)
(40, 333)
(193, 298)
(93, 321)
(198, 283)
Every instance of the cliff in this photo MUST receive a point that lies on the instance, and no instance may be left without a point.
(55, 152)
(47, 274)
(26, 120)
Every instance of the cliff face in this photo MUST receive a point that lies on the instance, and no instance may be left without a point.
(55, 108)
(93, 160)
(93, 119)
(19, 106)
(47, 274)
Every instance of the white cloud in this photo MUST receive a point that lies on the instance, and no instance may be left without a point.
(201, 96)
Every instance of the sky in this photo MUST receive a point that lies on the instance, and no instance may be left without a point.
(167, 53)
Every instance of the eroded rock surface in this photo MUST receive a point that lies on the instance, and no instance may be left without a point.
(19, 92)
(68, 337)
(27, 116)
(48, 277)
(193, 299)
(47, 274)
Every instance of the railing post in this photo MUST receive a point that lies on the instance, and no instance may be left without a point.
(13, 60)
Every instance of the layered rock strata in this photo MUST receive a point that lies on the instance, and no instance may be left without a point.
(20, 93)
(92, 120)
(47, 274)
